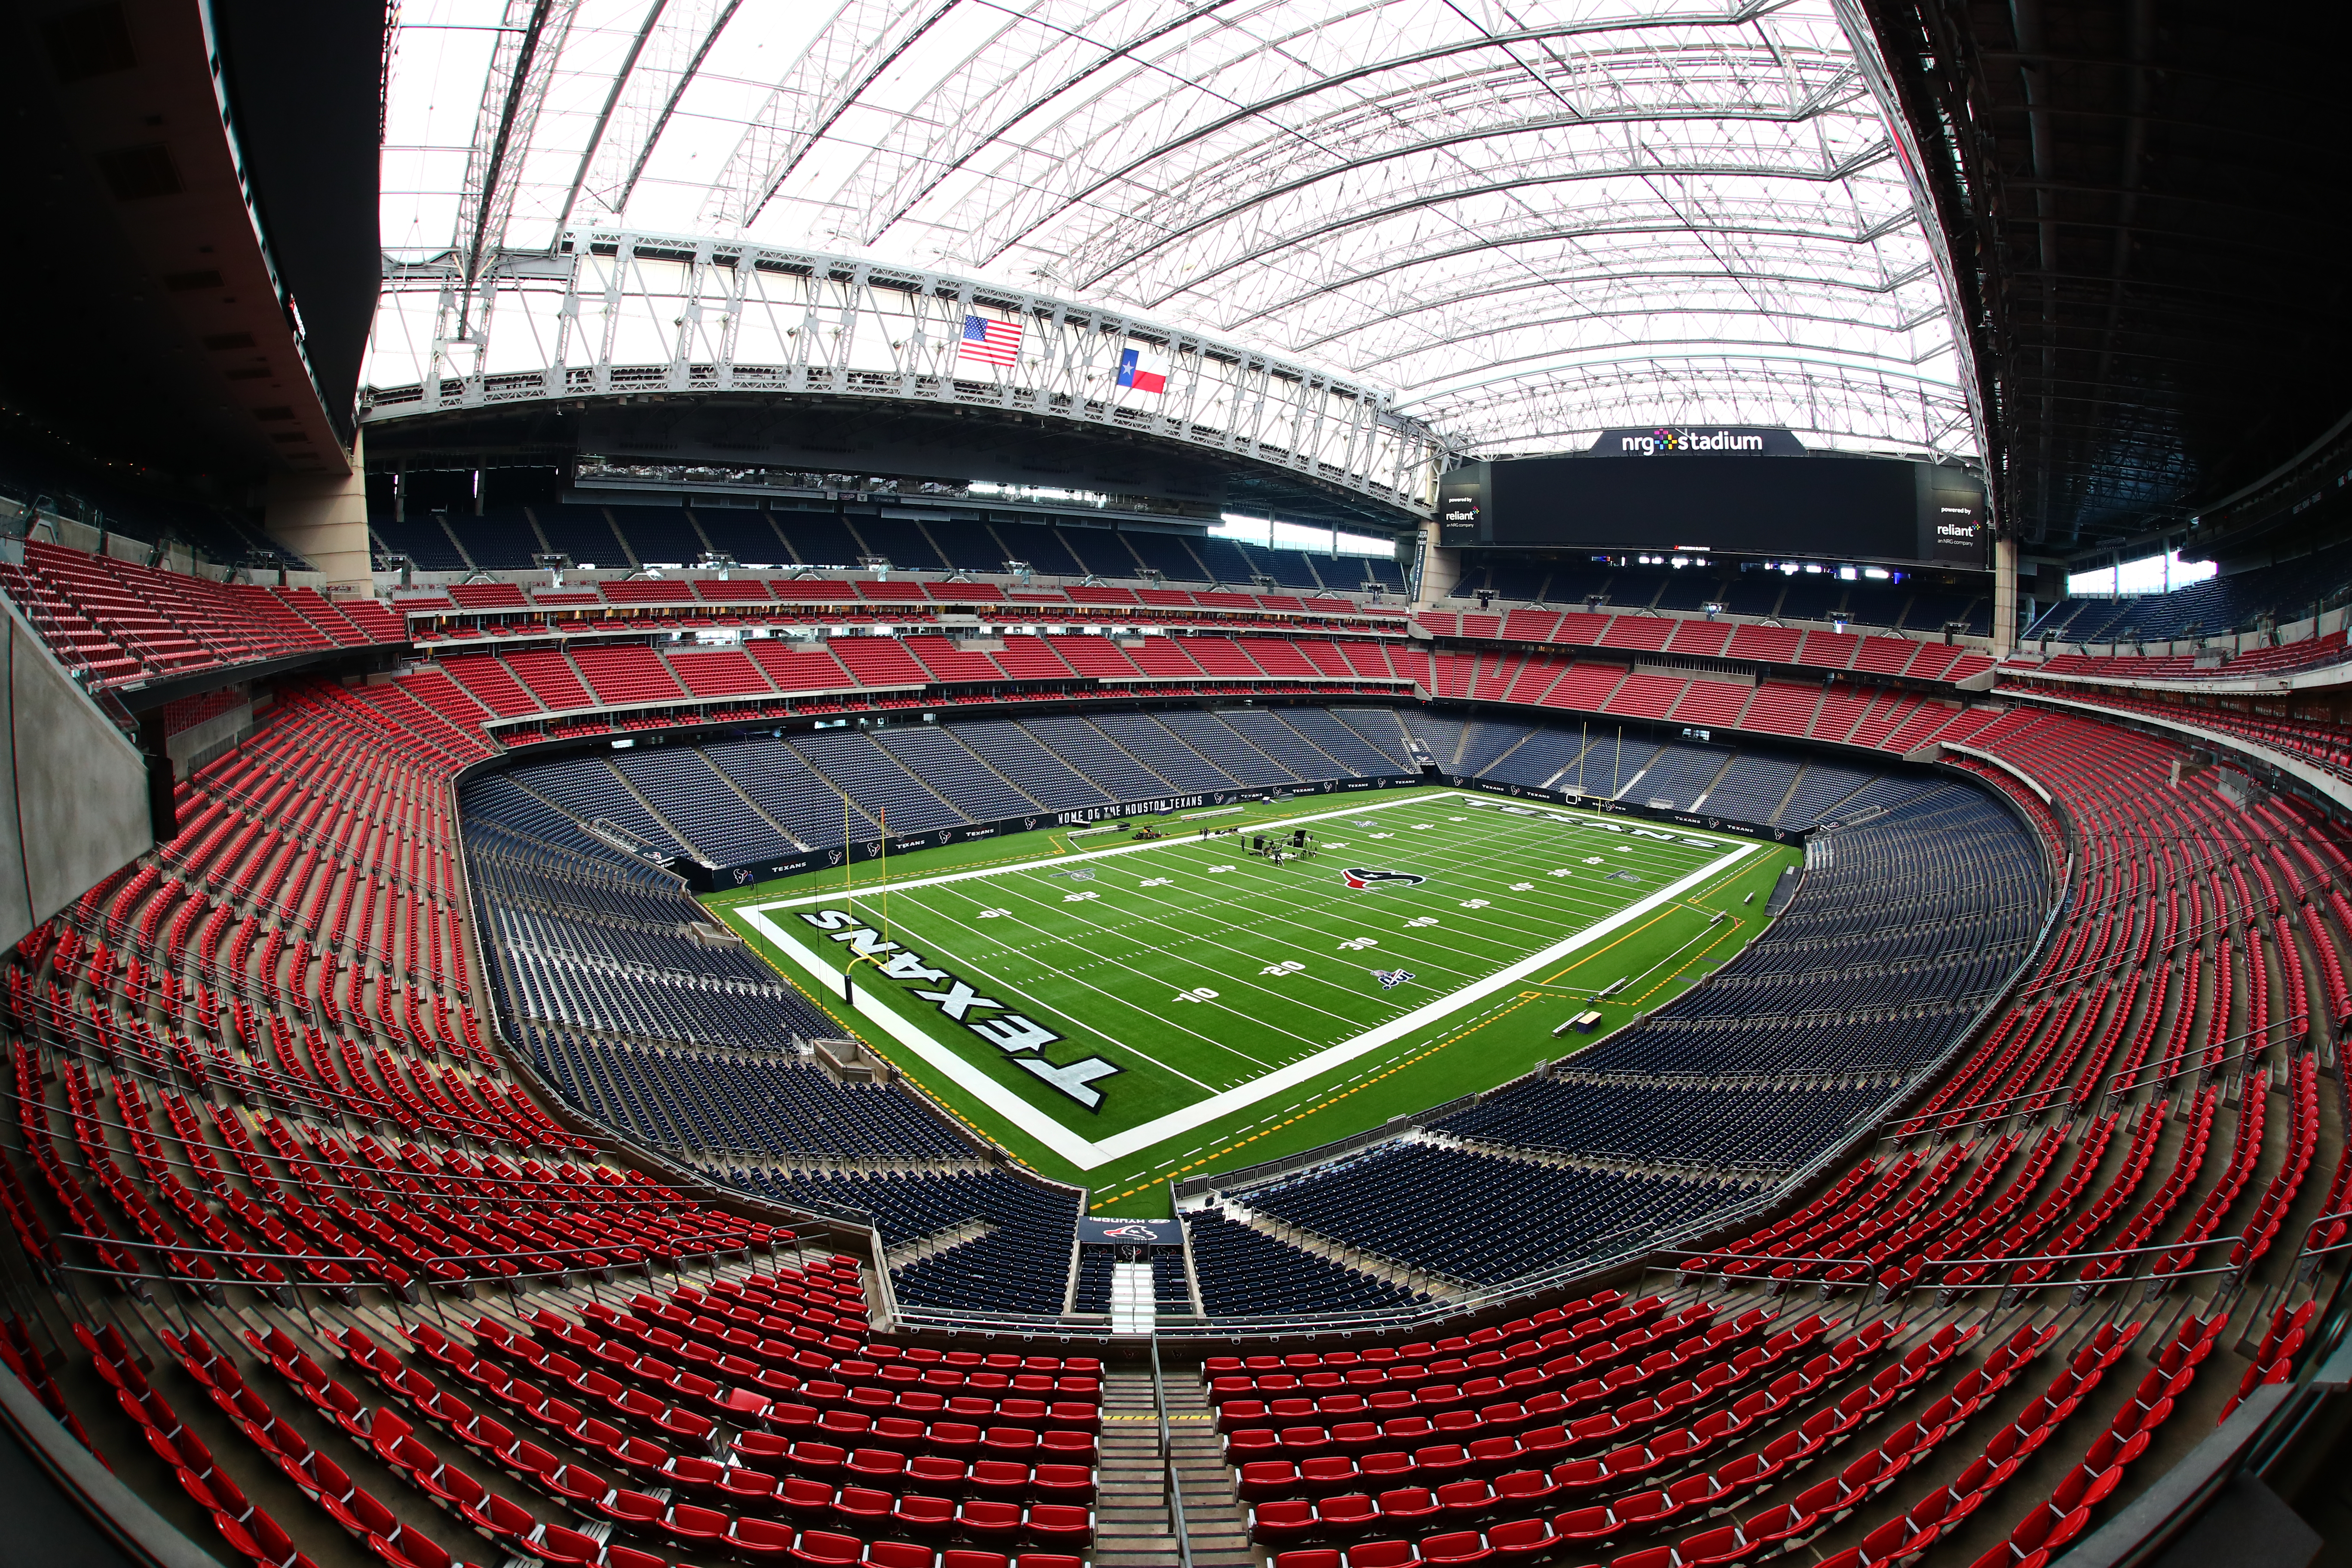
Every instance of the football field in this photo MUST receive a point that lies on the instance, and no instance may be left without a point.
(1115, 1008)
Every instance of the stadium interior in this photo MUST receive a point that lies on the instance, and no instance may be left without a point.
(537, 495)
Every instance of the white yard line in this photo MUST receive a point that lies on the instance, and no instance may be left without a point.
(1570, 896)
(1223, 976)
(1119, 931)
(1270, 887)
(1043, 1009)
(1357, 808)
(1087, 1153)
(1037, 1005)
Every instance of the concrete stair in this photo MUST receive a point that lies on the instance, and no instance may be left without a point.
(1132, 1307)
(1131, 1518)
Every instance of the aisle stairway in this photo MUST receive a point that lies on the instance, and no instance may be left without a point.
(1132, 1525)
(1132, 1309)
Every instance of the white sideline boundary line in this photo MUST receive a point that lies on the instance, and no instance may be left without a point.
(1087, 1153)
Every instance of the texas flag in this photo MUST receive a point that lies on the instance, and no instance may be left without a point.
(1142, 371)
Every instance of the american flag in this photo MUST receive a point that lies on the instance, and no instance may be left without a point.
(990, 343)
(1391, 978)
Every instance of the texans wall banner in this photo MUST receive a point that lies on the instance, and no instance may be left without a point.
(1131, 1232)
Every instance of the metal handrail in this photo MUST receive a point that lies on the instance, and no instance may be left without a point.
(1657, 1258)
(1172, 1489)
(2298, 884)
(2188, 1051)
(181, 1248)
(1913, 1125)
(506, 1198)
(2013, 1260)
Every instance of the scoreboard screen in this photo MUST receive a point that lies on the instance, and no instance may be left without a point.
(1733, 501)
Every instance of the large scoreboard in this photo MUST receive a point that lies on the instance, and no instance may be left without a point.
(1746, 492)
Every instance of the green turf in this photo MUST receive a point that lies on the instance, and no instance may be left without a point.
(1199, 1007)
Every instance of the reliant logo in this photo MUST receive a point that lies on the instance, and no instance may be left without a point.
(1666, 439)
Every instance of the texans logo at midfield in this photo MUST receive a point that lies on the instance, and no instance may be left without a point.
(1358, 877)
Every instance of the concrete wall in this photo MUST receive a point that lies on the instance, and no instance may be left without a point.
(324, 519)
(2004, 597)
(73, 807)
(2284, 633)
(195, 746)
(1440, 568)
(50, 528)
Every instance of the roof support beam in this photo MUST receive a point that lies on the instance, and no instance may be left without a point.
(1265, 107)
(1231, 211)
(1843, 170)
(1543, 234)
(517, 85)
(645, 95)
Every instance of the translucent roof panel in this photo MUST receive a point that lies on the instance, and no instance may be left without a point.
(1532, 222)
